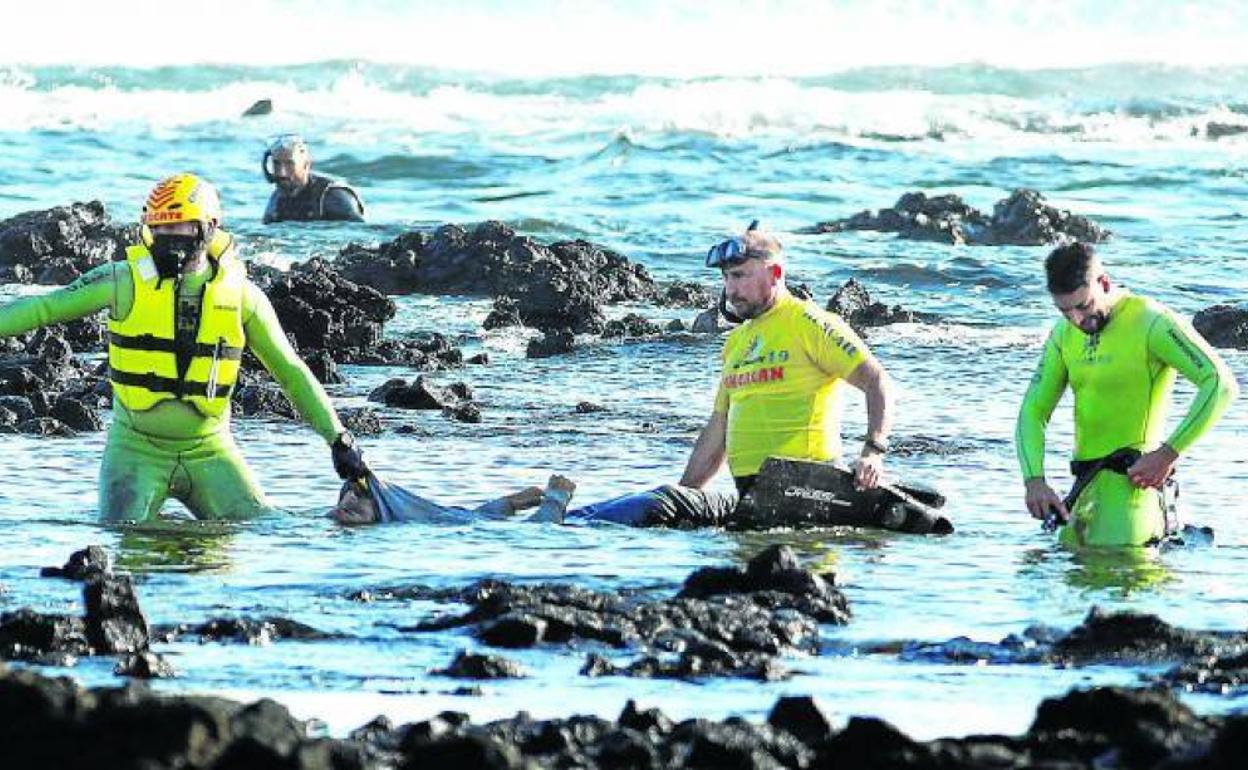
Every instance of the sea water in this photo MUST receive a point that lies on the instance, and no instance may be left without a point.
(565, 130)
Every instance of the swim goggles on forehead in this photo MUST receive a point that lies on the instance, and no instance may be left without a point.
(733, 251)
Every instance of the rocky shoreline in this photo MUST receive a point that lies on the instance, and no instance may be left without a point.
(1104, 727)
(724, 621)
(52, 722)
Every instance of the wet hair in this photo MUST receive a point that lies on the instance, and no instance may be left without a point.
(1069, 268)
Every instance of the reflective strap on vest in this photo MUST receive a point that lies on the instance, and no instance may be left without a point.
(162, 345)
(158, 384)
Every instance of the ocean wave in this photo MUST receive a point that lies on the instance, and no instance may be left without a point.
(359, 104)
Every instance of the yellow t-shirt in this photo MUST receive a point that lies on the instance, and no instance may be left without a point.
(781, 381)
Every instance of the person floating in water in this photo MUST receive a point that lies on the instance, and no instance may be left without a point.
(376, 502)
(181, 310)
(1119, 353)
(300, 195)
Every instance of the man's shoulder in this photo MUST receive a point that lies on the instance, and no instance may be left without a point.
(806, 311)
(1149, 307)
(803, 316)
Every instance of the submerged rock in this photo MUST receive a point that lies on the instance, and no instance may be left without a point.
(490, 260)
(1209, 660)
(145, 665)
(259, 107)
(556, 287)
(361, 421)
(552, 343)
(416, 395)
(468, 665)
(1022, 219)
(631, 325)
(322, 310)
(333, 320)
(256, 632)
(1129, 636)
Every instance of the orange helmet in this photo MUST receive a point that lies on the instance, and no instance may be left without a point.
(183, 198)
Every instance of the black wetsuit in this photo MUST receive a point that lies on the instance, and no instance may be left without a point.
(322, 198)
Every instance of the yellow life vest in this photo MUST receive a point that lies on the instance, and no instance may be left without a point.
(143, 349)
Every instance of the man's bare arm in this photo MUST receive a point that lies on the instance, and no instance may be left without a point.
(708, 452)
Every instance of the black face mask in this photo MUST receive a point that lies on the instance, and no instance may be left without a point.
(171, 252)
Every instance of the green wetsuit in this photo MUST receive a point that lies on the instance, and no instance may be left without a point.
(172, 449)
(1122, 379)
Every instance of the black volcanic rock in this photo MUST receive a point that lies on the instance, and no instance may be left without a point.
(727, 621)
(114, 621)
(1022, 219)
(252, 631)
(1224, 326)
(82, 565)
(56, 245)
(552, 343)
(557, 286)
(853, 303)
(468, 665)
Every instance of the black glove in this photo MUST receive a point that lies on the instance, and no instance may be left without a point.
(348, 458)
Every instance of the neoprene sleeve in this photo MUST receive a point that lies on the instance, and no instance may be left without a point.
(1178, 345)
(91, 292)
(266, 339)
(1045, 390)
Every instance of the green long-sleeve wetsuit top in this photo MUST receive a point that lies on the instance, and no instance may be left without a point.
(1122, 378)
(111, 286)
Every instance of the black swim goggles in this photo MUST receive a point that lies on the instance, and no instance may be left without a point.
(732, 252)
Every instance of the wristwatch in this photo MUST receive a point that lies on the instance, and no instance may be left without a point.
(878, 446)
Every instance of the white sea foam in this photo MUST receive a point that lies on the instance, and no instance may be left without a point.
(358, 109)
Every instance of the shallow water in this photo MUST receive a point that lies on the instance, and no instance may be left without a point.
(657, 168)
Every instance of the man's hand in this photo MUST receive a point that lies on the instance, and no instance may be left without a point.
(1152, 469)
(348, 458)
(868, 469)
(1041, 499)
